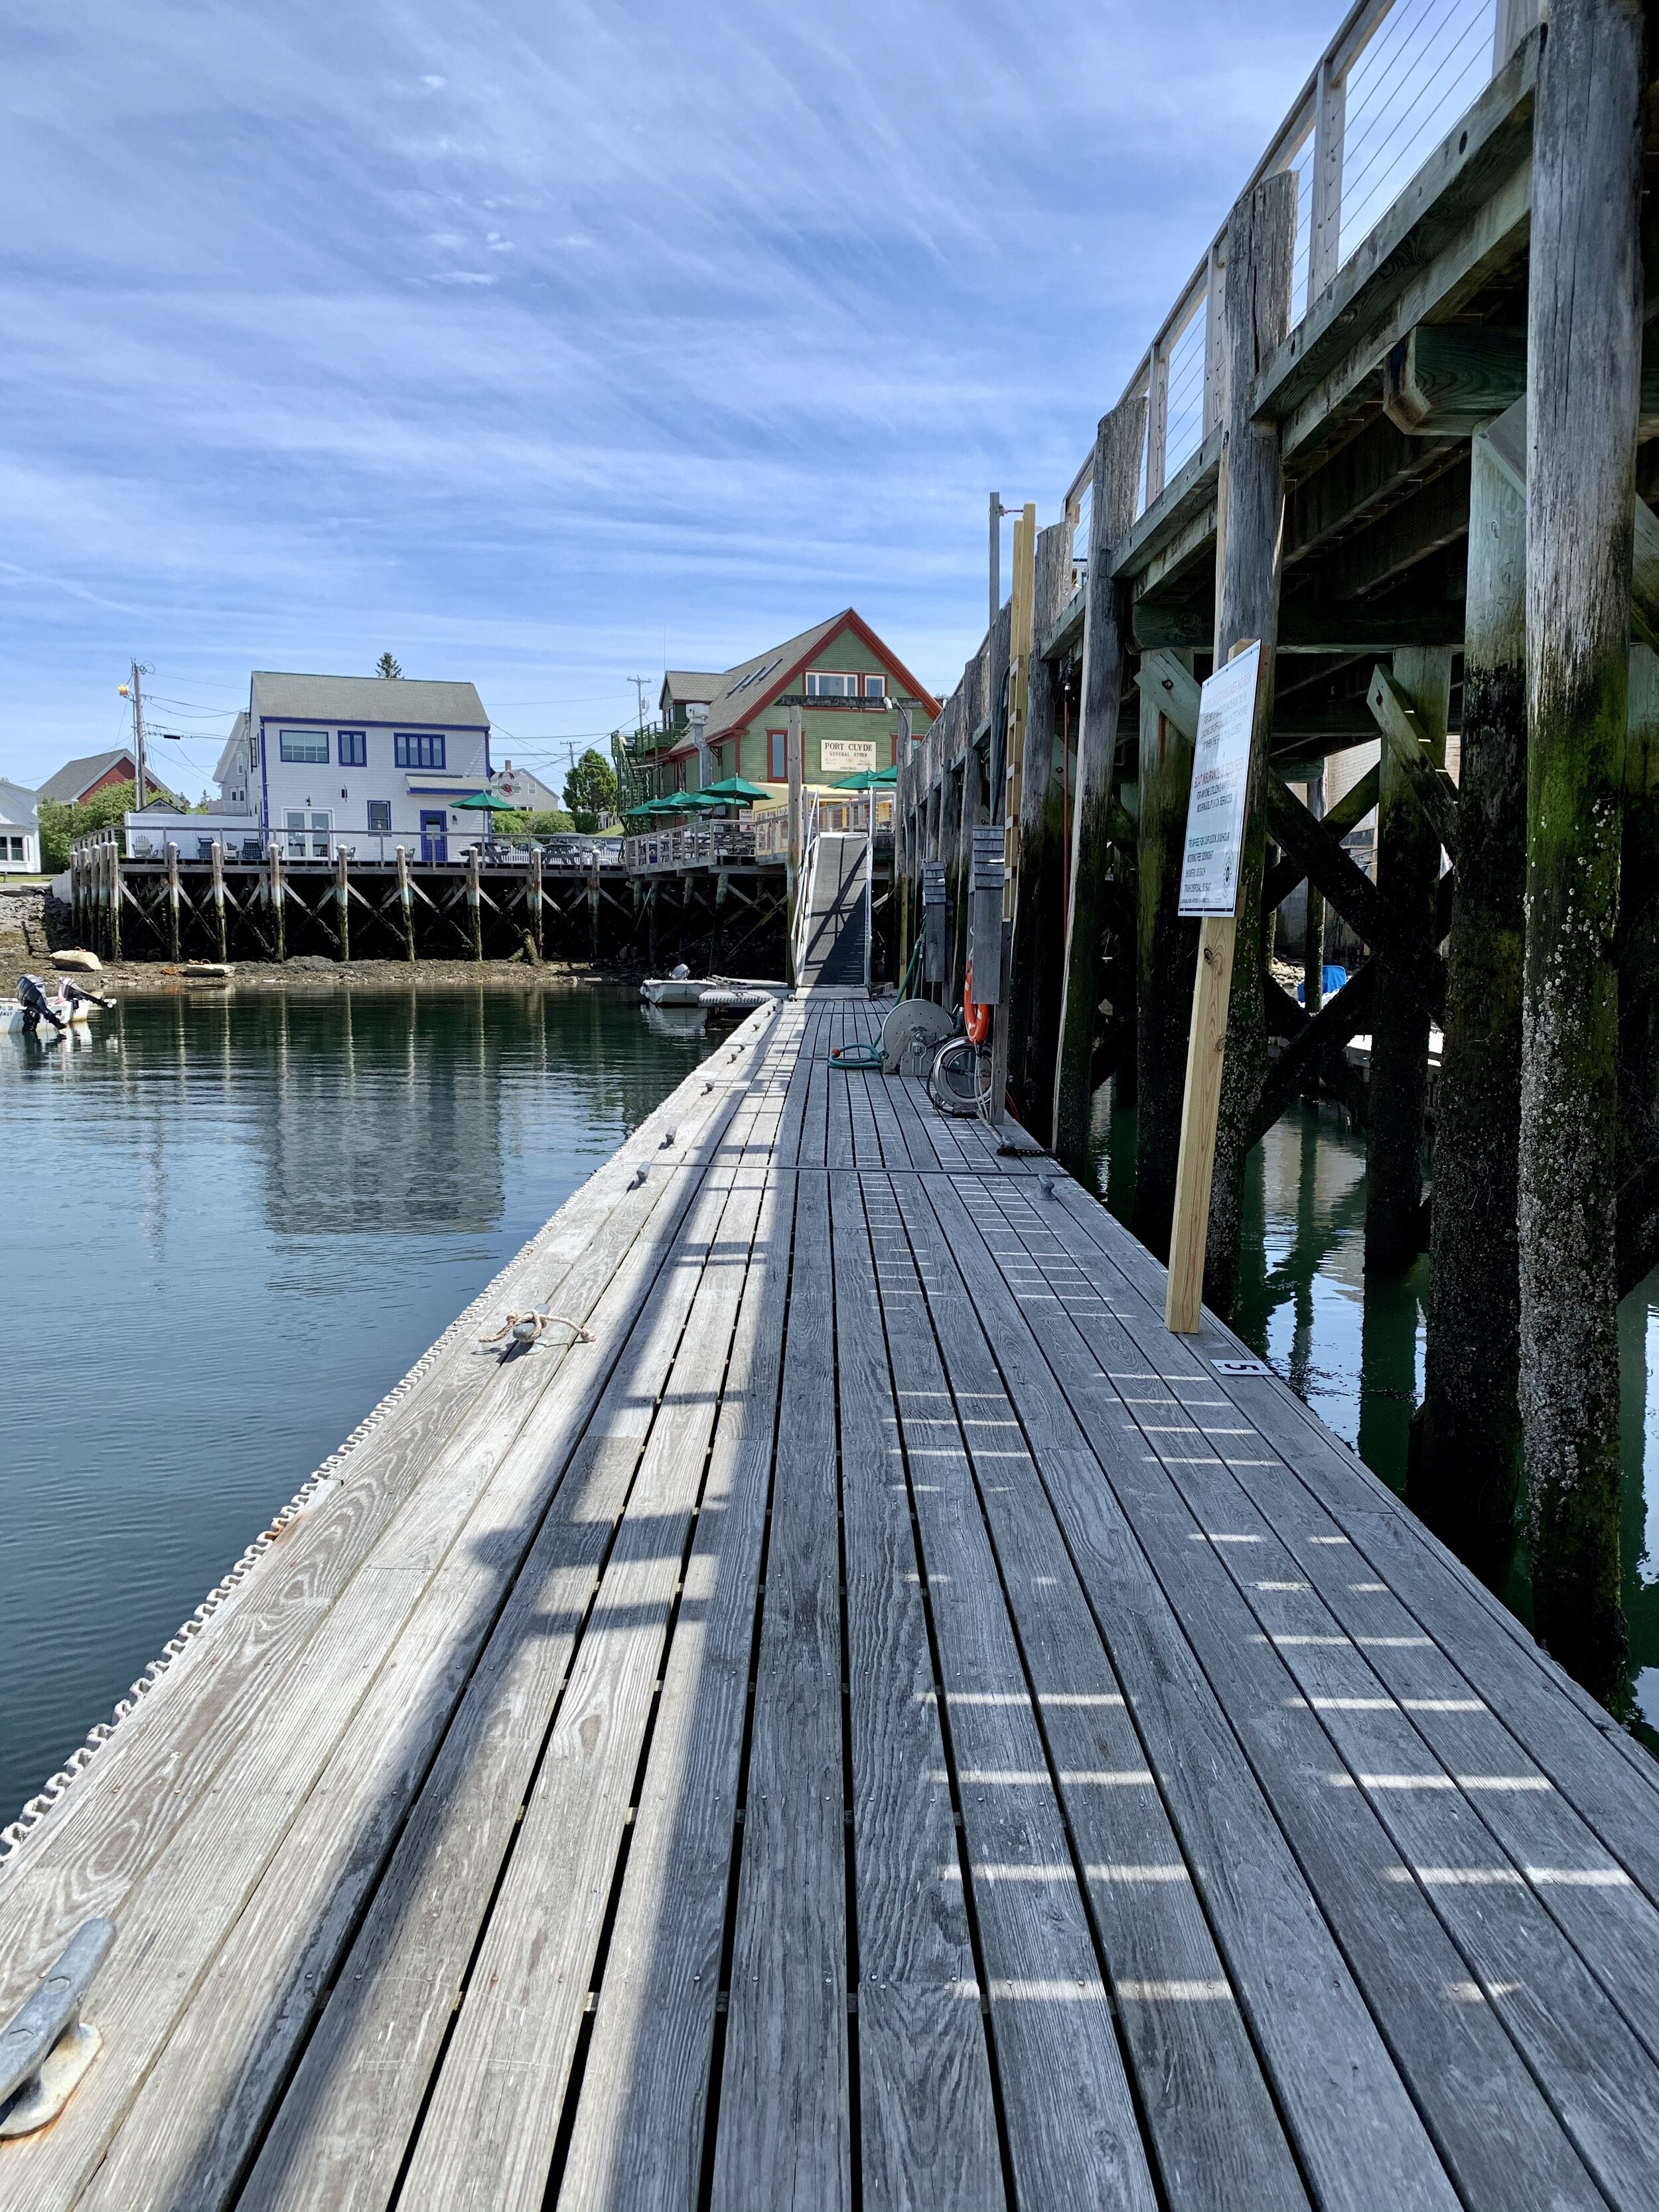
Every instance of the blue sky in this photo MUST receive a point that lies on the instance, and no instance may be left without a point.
(537, 344)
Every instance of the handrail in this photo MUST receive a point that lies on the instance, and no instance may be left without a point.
(803, 914)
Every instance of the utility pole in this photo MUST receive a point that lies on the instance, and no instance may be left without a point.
(134, 690)
(638, 683)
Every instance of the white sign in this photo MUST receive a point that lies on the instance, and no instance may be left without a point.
(847, 753)
(1221, 777)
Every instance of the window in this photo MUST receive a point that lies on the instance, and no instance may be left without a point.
(379, 816)
(354, 749)
(418, 749)
(303, 745)
(822, 683)
(253, 752)
(777, 758)
(14, 848)
(875, 687)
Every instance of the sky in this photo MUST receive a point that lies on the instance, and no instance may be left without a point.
(545, 346)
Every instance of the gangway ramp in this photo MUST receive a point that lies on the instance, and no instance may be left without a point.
(838, 917)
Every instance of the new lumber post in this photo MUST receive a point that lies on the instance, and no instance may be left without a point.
(1250, 506)
(1116, 479)
(1583, 366)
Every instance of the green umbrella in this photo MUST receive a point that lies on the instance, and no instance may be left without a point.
(666, 803)
(487, 802)
(867, 779)
(740, 790)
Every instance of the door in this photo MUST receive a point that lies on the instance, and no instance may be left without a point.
(434, 845)
(308, 834)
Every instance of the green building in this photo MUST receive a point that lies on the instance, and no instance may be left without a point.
(848, 685)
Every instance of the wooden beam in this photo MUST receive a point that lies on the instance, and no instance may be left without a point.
(1343, 1016)
(1424, 521)
(1116, 482)
(1347, 814)
(1310, 625)
(1450, 380)
(1413, 749)
(1354, 895)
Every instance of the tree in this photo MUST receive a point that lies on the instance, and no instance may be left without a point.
(590, 790)
(544, 822)
(385, 665)
(58, 823)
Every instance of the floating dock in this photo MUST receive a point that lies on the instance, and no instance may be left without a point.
(876, 1721)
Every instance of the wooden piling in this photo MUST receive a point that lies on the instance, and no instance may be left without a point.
(343, 903)
(1313, 924)
(1584, 359)
(1464, 1461)
(113, 849)
(173, 898)
(593, 904)
(220, 934)
(1250, 506)
(474, 903)
(1166, 948)
(277, 894)
(406, 896)
(1407, 875)
(1039, 915)
(1118, 444)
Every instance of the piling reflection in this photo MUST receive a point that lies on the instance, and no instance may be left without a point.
(1350, 1343)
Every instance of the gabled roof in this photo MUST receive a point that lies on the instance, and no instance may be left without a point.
(690, 687)
(18, 808)
(366, 699)
(78, 775)
(745, 690)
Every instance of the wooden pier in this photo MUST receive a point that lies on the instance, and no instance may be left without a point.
(873, 1722)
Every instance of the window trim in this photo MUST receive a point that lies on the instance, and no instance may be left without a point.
(358, 741)
(424, 744)
(379, 828)
(310, 737)
(814, 676)
(780, 739)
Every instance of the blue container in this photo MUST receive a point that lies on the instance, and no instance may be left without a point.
(1334, 979)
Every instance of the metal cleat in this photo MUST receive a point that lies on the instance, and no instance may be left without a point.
(47, 2047)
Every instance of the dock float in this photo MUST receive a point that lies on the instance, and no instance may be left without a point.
(872, 1720)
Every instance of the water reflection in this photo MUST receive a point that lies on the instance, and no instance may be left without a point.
(1352, 1345)
(234, 1221)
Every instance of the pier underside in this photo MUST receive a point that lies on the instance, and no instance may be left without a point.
(876, 1722)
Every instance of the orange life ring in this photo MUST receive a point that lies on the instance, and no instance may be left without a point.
(975, 1018)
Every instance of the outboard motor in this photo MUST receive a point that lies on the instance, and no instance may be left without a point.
(32, 994)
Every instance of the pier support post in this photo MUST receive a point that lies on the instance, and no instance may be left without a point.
(343, 903)
(1464, 1462)
(277, 894)
(1116, 482)
(173, 898)
(406, 902)
(536, 898)
(594, 905)
(1166, 959)
(1583, 364)
(1407, 875)
(474, 901)
(114, 851)
(1039, 917)
(217, 857)
(1251, 507)
(1312, 925)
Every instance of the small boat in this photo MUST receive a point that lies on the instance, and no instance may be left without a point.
(679, 987)
(77, 1008)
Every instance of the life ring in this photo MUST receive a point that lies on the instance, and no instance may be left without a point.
(975, 1018)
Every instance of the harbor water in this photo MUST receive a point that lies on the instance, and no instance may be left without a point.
(232, 1224)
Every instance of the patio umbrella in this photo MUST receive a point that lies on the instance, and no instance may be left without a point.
(487, 802)
(867, 779)
(738, 790)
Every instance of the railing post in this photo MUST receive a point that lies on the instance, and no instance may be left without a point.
(1325, 216)
(1158, 419)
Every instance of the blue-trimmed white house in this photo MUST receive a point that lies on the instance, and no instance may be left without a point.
(366, 762)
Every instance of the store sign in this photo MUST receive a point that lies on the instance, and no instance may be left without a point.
(1221, 779)
(846, 754)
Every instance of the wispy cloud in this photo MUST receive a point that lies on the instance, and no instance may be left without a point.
(535, 344)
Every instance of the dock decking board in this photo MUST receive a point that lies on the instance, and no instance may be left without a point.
(815, 1745)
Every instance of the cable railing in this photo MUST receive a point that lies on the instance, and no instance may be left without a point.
(1386, 91)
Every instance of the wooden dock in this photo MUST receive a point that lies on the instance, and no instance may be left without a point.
(881, 1724)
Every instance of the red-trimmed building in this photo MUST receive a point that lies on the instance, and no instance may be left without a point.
(848, 685)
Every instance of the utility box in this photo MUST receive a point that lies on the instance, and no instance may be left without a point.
(932, 922)
(985, 886)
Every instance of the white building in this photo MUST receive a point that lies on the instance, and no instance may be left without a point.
(20, 831)
(367, 763)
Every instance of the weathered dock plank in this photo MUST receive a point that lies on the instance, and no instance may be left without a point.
(884, 1722)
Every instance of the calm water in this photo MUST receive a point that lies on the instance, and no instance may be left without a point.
(231, 1225)
(1352, 1348)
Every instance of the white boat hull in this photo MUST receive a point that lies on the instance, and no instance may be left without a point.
(12, 1017)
